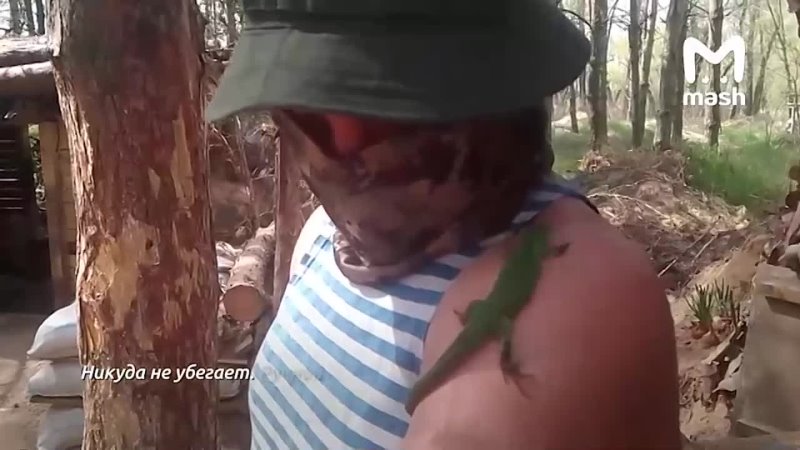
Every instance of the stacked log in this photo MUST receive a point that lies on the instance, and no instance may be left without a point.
(25, 68)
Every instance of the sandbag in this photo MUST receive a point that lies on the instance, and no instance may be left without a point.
(62, 378)
(61, 429)
(57, 336)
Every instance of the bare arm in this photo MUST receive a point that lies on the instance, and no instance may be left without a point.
(597, 342)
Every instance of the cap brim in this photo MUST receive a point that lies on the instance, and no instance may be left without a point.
(403, 76)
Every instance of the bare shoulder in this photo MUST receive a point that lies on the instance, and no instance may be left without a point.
(595, 343)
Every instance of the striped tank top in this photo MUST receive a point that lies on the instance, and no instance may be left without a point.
(339, 360)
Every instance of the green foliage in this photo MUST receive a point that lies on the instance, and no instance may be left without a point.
(749, 169)
(703, 304)
(707, 301)
(569, 148)
(729, 307)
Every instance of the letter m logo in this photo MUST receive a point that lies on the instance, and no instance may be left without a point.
(692, 47)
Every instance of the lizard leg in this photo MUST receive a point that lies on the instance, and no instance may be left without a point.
(558, 250)
(508, 364)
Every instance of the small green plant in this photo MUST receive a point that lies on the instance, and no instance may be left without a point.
(703, 305)
(729, 307)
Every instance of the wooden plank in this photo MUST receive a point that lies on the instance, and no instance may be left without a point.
(771, 361)
(69, 214)
(65, 169)
(68, 238)
(777, 282)
(48, 135)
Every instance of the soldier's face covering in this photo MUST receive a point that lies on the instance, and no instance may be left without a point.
(403, 194)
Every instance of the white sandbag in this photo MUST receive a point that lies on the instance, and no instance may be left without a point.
(57, 336)
(61, 429)
(62, 378)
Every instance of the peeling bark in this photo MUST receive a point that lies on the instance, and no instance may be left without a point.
(129, 77)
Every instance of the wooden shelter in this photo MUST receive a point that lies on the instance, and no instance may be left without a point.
(28, 97)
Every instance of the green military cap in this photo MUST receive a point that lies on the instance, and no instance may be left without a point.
(423, 60)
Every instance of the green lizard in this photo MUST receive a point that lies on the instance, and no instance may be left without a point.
(492, 318)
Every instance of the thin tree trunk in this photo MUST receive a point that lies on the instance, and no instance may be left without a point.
(713, 119)
(758, 92)
(644, 90)
(288, 218)
(748, 57)
(597, 78)
(670, 72)
(573, 110)
(40, 15)
(146, 280)
(28, 9)
(14, 17)
(791, 80)
(634, 47)
(749, 108)
(680, 87)
(583, 90)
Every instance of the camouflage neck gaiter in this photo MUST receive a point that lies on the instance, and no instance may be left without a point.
(412, 198)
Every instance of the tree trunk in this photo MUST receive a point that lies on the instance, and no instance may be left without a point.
(680, 86)
(573, 109)
(758, 92)
(40, 15)
(788, 62)
(583, 90)
(288, 219)
(644, 90)
(749, 109)
(748, 56)
(230, 21)
(28, 7)
(597, 77)
(670, 72)
(14, 17)
(634, 47)
(129, 75)
(713, 119)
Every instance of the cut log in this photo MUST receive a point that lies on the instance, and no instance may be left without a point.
(35, 79)
(18, 51)
(251, 277)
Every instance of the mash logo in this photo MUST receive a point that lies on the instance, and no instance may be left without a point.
(692, 48)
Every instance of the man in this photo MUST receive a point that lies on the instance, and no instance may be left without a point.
(419, 124)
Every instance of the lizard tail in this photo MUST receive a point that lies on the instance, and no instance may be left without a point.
(468, 341)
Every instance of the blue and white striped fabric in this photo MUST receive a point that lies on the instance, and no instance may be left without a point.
(338, 362)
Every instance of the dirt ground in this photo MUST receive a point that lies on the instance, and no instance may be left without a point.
(18, 419)
(693, 239)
